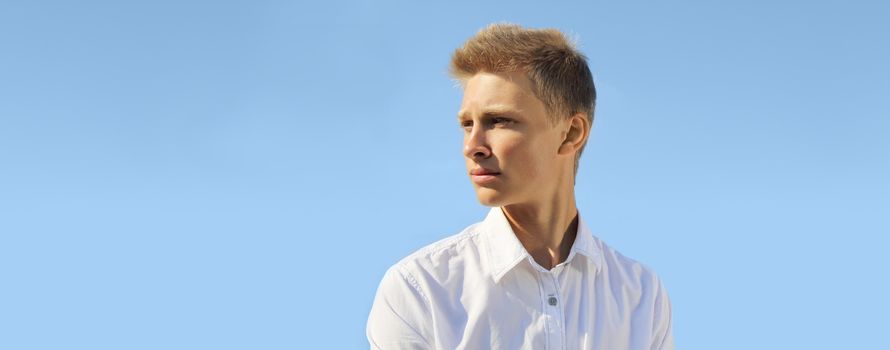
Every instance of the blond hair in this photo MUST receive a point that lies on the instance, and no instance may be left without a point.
(558, 72)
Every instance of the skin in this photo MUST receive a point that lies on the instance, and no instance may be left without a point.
(507, 130)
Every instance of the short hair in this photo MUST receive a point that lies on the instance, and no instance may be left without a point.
(558, 72)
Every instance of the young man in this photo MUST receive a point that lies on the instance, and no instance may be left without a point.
(531, 275)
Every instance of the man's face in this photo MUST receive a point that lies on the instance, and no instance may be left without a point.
(509, 145)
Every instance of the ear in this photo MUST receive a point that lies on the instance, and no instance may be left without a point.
(576, 134)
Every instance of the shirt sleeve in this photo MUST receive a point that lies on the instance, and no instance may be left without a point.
(400, 314)
(663, 336)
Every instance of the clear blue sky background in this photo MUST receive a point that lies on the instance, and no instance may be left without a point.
(240, 174)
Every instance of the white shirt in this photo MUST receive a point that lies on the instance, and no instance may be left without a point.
(480, 289)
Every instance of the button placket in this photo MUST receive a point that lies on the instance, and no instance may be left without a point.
(553, 311)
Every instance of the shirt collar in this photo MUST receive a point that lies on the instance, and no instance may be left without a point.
(505, 251)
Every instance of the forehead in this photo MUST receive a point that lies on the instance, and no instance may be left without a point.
(496, 91)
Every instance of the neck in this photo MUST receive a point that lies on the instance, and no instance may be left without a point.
(547, 229)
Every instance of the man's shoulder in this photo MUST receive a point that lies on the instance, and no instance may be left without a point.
(631, 271)
(420, 282)
(641, 289)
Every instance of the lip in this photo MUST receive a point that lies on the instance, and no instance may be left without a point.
(482, 176)
(484, 179)
(483, 171)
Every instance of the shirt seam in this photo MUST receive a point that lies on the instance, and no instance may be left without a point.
(408, 277)
(447, 243)
(667, 331)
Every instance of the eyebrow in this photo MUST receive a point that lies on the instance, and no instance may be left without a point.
(489, 112)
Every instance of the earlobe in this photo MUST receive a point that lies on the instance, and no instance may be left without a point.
(567, 144)
(574, 137)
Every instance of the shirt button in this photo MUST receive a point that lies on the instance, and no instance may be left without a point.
(552, 301)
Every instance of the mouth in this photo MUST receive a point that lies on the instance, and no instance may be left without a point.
(483, 178)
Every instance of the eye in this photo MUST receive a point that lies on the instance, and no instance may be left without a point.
(501, 121)
(466, 124)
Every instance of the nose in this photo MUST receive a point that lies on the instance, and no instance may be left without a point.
(475, 146)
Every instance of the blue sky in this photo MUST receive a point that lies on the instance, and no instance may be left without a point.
(240, 174)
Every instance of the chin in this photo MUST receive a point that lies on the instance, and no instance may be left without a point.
(491, 197)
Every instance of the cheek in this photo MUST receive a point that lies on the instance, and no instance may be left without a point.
(522, 158)
(539, 158)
